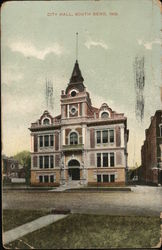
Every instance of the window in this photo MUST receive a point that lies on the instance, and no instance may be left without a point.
(51, 161)
(41, 141)
(111, 134)
(46, 140)
(46, 121)
(104, 115)
(73, 93)
(105, 136)
(51, 178)
(105, 159)
(111, 159)
(98, 136)
(46, 178)
(98, 178)
(112, 178)
(41, 161)
(105, 178)
(40, 178)
(73, 110)
(46, 161)
(98, 160)
(73, 138)
(51, 140)
(161, 131)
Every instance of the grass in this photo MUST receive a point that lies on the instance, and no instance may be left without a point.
(94, 231)
(15, 218)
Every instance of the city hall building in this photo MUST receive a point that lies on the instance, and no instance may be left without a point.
(83, 144)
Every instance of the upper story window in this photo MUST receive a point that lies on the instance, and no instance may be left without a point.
(46, 141)
(46, 121)
(105, 115)
(46, 161)
(111, 135)
(105, 136)
(161, 130)
(105, 159)
(73, 138)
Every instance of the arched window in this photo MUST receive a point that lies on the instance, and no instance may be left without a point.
(73, 138)
(46, 121)
(73, 163)
(104, 115)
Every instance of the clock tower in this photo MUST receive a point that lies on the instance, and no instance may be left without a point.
(75, 100)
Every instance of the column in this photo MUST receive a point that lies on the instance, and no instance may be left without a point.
(122, 136)
(62, 170)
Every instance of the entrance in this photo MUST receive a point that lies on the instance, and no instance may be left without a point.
(74, 170)
(74, 173)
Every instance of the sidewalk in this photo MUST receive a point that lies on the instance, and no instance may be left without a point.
(29, 227)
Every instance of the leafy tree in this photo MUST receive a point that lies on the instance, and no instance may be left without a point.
(24, 159)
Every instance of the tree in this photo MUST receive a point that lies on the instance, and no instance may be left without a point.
(24, 159)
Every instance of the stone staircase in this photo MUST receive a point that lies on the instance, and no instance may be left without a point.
(69, 185)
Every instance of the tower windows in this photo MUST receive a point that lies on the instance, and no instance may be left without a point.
(73, 138)
(73, 93)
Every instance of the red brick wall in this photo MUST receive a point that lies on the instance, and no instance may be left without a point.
(35, 143)
(118, 136)
(92, 159)
(57, 160)
(35, 161)
(92, 138)
(56, 141)
(118, 158)
(67, 131)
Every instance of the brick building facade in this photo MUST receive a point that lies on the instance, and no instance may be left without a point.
(83, 144)
(151, 152)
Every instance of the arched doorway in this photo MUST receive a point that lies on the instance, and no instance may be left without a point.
(74, 169)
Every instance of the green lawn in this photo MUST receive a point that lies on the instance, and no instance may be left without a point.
(94, 231)
(15, 218)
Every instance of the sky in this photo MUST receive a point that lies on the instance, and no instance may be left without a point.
(39, 42)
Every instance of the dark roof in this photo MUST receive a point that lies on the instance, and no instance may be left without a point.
(76, 80)
(76, 74)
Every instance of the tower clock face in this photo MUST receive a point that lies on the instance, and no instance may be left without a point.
(73, 110)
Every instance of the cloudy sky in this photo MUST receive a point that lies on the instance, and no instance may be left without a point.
(38, 42)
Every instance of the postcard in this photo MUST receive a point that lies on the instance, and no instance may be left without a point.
(81, 124)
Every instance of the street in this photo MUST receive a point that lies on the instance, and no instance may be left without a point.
(142, 200)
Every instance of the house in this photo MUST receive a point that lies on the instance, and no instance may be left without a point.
(12, 171)
(83, 144)
(151, 152)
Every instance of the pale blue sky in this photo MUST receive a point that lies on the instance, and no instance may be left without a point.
(36, 46)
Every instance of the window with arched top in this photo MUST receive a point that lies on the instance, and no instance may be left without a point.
(73, 163)
(105, 115)
(73, 138)
(46, 121)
